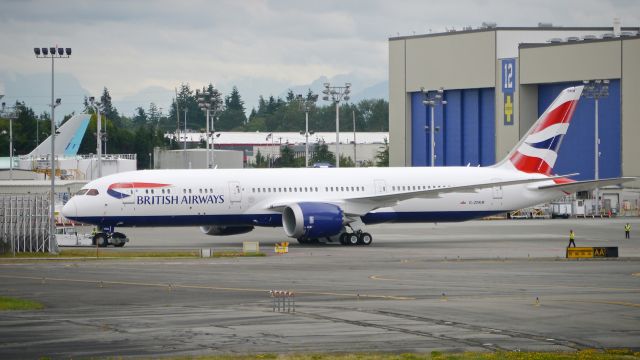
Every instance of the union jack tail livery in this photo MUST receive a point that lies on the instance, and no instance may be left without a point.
(538, 150)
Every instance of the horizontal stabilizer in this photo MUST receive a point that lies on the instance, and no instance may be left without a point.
(587, 184)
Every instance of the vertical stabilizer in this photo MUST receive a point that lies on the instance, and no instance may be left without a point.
(537, 151)
(68, 138)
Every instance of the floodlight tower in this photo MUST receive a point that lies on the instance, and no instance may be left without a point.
(337, 94)
(52, 53)
(210, 101)
(11, 115)
(432, 99)
(96, 106)
(596, 89)
(306, 104)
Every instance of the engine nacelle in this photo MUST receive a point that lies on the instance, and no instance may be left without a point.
(312, 220)
(216, 230)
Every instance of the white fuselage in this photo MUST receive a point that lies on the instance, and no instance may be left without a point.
(234, 197)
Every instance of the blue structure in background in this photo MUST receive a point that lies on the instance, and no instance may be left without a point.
(466, 129)
(578, 147)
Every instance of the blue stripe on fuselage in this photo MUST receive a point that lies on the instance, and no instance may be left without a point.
(275, 220)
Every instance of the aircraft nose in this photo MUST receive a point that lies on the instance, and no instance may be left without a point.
(70, 210)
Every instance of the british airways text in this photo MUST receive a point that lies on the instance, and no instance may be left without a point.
(176, 199)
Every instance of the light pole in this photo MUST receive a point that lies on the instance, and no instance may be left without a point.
(355, 163)
(432, 99)
(337, 94)
(210, 101)
(96, 106)
(306, 105)
(52, 53)
(11, 115)
(185, 130)
(214, 136)
(270, 151)
(595, 90)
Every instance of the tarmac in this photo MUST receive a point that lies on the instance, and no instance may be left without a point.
(475, 286)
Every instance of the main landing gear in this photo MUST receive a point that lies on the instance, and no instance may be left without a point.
(356, 238)
(345, 238)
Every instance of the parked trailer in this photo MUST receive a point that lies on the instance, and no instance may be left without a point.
(561, 210)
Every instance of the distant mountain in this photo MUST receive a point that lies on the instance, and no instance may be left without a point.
(162, 97)
(361, 87)
(35, 91)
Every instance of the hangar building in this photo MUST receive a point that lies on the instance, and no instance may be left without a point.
(498, 80)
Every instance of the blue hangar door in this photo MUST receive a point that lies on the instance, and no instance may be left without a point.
(577, 153)
(465, 129)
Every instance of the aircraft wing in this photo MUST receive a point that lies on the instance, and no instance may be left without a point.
(586, 185)
(361, 205)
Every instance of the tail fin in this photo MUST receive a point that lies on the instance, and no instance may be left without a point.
(537, 151)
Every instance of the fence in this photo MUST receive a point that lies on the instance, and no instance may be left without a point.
(24, 223)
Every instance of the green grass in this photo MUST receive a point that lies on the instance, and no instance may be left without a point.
(237, 254)
(113, 253)
(435, 355)
(8, 303)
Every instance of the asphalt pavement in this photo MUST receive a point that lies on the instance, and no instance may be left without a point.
(481, 285)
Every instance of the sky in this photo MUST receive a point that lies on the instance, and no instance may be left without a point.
(141, 50)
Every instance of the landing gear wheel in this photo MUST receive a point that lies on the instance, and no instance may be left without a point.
(343, 238)
(303, 240)
(365, 239)
(100, 240)
(352, 239)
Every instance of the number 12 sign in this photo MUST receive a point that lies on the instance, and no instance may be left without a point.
(508, 88)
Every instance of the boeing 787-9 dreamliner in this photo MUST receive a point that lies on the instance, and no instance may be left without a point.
(334, 204)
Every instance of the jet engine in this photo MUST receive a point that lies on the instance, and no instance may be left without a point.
(312, 220)
(216, 230)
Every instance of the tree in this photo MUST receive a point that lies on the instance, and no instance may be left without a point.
(287, 158)
(321, 154)
(140, 118)
(382, 158)
(261, 161)
(186, 99)
(108, 110)
(233, 117)
(346, 161)
(154, 115)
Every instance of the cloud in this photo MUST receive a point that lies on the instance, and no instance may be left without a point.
(128, 46)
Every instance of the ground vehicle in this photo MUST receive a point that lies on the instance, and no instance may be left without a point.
(68, 235)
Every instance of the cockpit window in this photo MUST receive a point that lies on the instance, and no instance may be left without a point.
(92, 192)
(81, 192)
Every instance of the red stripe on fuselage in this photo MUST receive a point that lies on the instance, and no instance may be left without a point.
(136, 185)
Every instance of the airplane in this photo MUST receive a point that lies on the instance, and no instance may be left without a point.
(334, 204)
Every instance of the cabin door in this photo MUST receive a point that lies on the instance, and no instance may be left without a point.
(235, 195)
